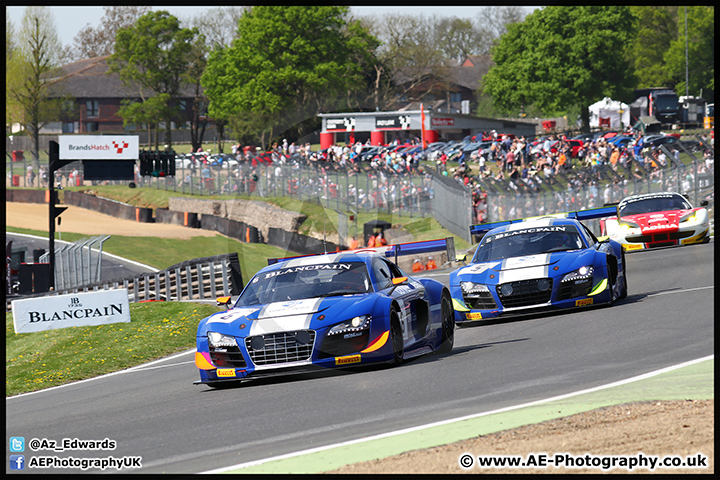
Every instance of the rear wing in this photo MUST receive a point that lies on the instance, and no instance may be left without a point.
(397, 250)
(607, 211)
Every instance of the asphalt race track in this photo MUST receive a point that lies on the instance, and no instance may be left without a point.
(156, 412)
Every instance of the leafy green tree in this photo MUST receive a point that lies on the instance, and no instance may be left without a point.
(700, 55)
(147, 112)
(154, 54)
(561, 57)
(30, 65)
(657, 29)
(457, 38)
(287, 64)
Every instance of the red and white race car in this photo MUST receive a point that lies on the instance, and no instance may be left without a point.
(657, 220)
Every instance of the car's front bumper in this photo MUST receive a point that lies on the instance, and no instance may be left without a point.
(599, 293)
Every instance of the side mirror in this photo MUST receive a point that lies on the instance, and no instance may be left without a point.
(224, 301)
(603, 239)
(704, 203)
(396, 282)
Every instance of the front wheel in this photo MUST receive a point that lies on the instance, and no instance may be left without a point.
(396, 337)
(448, 326)
(624, 291)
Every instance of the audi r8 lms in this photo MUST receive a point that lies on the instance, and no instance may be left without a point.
(333, 310)
(657, 220)
(523, 266)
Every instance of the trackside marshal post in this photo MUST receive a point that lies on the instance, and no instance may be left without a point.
(74, 310)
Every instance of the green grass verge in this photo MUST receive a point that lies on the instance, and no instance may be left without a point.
(39, 360)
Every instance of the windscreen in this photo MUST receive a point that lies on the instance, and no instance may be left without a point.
(528, 241)
(306, 281)
(656, 203)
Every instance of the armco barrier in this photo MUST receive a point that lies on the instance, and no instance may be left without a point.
(203, 278)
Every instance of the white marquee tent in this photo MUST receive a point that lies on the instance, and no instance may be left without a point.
(609, 113)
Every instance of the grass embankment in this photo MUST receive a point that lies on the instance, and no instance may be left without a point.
(38, 360)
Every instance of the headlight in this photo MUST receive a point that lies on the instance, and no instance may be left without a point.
(471, 287)
(219, 340)
(626, 225)
(355, 324)
(690, 217)
(582, 274)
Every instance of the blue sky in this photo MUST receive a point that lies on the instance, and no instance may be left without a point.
(70, 20)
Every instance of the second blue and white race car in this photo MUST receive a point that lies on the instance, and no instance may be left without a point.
(523, 266)
(334, 310)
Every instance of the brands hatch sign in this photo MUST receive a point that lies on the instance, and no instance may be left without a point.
(74, 310)
(395, 122)
(99, 147)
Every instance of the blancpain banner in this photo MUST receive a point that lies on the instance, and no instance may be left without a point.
(99, 147)
(74, 310)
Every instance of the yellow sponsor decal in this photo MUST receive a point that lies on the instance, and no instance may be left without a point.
(696, 239)
(473, 316)
(583, 303)
(225, 372)
(378, 343)
(459, 306)
(202, 361)
(347, 360)
(632, 246)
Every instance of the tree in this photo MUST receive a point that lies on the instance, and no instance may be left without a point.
(29, 69)
(562, 57)
(217, 28)
(701, 53)
(196, 113)
(493, 22)
(288, 63)
(218, 25)
(154, 54)
(657, 29)
(147, 112)
(410, 55)
(457, 38)
(96, 42)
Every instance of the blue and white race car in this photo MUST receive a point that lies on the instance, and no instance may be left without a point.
(333, 310)
(523, 266)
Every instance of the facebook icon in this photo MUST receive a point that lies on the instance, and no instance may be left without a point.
(17, 462)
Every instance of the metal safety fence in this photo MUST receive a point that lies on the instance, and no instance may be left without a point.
(366, 187)
(200, 279)
(589, 187)
(78, 263)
